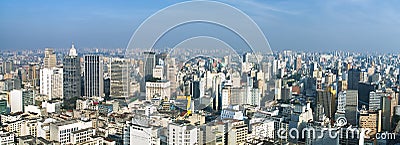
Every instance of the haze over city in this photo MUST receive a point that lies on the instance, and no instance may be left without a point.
(201, 72)
(347, 25)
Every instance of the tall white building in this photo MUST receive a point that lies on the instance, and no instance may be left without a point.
(182, 134)
(16, 102)
(51, 82)
(341, 102)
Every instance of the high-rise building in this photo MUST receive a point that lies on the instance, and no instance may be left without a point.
(158, 89)
(57, 83)
(351, 107)
(61, 131)
(49, 60)
(72, 78)
(93, 75)
(150, 62)
(46, 81)
(375, 100)
(158, 72)
(119, 78)
(298, 63)
(182, 133)
(341, 102)
(364, 90)
(8, 66)
(51, 82)
(237, 132)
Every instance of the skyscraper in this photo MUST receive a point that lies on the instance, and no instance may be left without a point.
(149, 64)
(298, 63)
(49, 59)
(119, 78)
(72, 78)
(93, 76)
(353, 79)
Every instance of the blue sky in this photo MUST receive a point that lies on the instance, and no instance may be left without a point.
(312, 25)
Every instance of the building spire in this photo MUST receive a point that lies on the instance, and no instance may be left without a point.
(72, 51)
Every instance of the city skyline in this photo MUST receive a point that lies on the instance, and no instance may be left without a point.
(356, 26)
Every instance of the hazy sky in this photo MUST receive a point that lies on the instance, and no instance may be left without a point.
(355, 25)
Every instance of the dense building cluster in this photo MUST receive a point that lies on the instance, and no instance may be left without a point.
(80, 97)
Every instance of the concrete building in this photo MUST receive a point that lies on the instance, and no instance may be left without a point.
(61, 131)
(72, 78)
(82, 135)
(16, 101)
(237, 132)
(182, 133)
(264, 130)
(6, 138)
(49, 60)
(28, 97)
(158, 72)
(375, 100)
(93, 76)
(119, 78)
(322, 137)
(370, 120)
(158, 89)
(278, 89)
(351, 107)
(232, 113)
(57, 84)
(150, 62)
(327, 99)
(341, 102)
(46, 81)
(139, 134)
(51, 82)
(212, 133)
